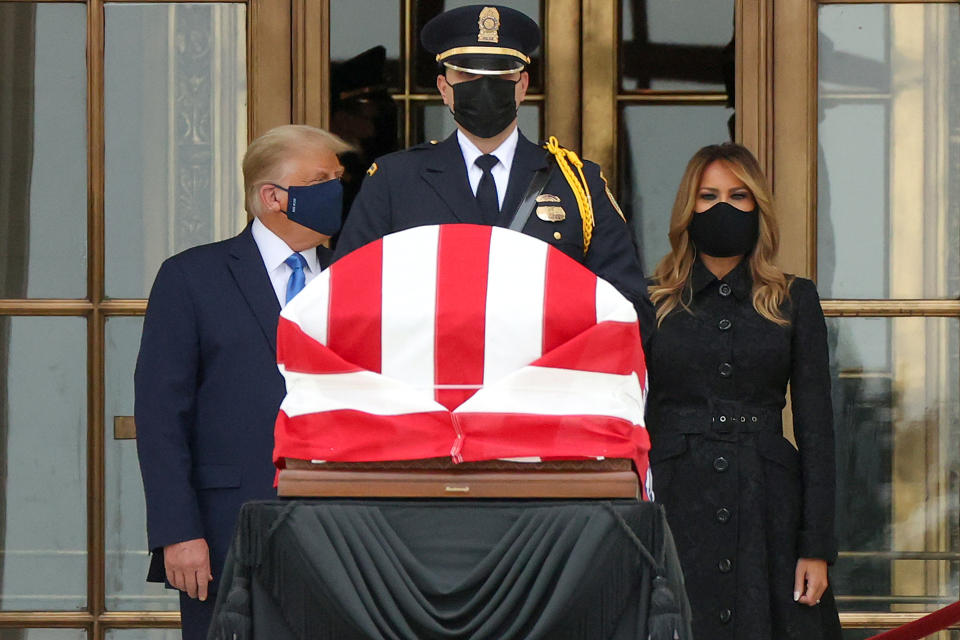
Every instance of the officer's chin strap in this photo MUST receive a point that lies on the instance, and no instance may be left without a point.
(566, 157)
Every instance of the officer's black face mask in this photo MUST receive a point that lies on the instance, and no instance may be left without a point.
(723, 230)
(485, 106)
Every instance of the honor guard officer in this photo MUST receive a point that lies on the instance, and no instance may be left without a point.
(487, 172)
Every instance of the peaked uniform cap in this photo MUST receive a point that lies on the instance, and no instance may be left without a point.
(486, 39)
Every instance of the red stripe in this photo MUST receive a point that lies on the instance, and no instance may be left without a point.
(355, 323)
(462, 259)
(354, 436)
(487, 436)
(569, 300)
(608, 347)
(297, 351)
(922, 627)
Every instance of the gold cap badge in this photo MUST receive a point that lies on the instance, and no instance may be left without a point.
(489, 24)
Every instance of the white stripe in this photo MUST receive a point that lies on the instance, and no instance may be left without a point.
(612, 305)
(361, 391)
(557, 392)
(410, 297)
(310, 308)
(514, 314)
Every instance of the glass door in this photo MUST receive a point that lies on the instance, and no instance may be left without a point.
(122, 127)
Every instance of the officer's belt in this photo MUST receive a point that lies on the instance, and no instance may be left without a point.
(529, 201)
(720, 417)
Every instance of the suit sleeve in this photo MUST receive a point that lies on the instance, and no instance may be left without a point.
(370, 215)
(813, 422)
(165, 389)
(613, 255)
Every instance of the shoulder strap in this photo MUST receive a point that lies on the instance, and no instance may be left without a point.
(525, 208)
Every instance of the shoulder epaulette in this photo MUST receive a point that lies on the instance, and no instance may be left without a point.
(577, 182)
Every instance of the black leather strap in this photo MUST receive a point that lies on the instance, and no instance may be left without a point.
(525, 208)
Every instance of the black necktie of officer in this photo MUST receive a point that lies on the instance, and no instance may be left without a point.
(487, 190)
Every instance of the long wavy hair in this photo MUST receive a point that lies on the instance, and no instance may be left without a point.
(672, 275)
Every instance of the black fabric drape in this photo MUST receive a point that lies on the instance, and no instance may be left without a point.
(422, 570)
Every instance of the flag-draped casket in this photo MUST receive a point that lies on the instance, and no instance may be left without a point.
(461, 341)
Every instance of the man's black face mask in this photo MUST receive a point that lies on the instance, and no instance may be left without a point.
(485, 106)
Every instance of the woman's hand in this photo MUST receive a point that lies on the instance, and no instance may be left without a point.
(810, 581)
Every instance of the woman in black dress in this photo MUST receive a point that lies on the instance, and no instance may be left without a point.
(752, 515)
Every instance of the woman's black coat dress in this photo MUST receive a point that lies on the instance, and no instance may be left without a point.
(742, 503)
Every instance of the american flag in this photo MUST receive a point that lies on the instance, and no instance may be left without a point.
(466, 341)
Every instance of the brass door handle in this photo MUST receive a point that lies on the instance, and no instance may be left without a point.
(124, 428)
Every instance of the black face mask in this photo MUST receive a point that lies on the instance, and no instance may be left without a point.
(723, 231)
(485, 106)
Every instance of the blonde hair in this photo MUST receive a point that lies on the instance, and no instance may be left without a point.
(267, 157)
(672, 275)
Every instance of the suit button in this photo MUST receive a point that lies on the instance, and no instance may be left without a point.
(725, 615)
(556, 235)
(725, 565)
(721, 464)
(726, 369)
(724, 289)
(724, 324)
(723, 515)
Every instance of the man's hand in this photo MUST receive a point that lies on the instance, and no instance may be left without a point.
(188, 566)
(810, 581)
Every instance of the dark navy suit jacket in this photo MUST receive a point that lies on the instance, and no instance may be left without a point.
(427, 184)
(207, 393)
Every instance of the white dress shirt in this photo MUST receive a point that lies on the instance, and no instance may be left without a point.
(274, 251)
(500, 171)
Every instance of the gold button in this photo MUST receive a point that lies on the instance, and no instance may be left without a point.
(556, 235)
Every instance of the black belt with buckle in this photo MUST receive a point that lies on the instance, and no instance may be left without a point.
(718, 417)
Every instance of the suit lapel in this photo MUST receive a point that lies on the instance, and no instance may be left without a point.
(527, 160)
(252, 279)
(447, 174)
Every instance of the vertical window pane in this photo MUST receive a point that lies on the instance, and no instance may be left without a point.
(889, 163)
(656, 142)
(126, 538)
(176, 131)
(677, 46)
(897, 416)
(43, 150)
(43, 413)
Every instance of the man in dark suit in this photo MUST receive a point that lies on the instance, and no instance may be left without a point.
(487, 170)
(207, 386)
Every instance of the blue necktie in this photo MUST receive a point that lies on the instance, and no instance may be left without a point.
(295, 284)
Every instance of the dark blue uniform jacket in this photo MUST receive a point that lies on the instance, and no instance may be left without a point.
(427, 184)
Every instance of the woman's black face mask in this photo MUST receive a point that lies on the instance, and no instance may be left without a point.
(485, 106)
(723, 230)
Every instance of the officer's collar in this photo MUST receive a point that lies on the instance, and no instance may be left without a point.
(739, 278)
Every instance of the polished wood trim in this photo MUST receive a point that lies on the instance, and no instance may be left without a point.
(794, 132)
(600, 41)
(891, 308)
(83, 619)
(887, 1)
(140, 619)
(754, 79)
(43, 307)
(269, 65)
(562, 71)
(95, 291)
(880, 620)
(123, 307)
(311, 62)
(672, 97)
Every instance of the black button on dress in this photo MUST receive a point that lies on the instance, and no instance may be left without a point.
(718, 382)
